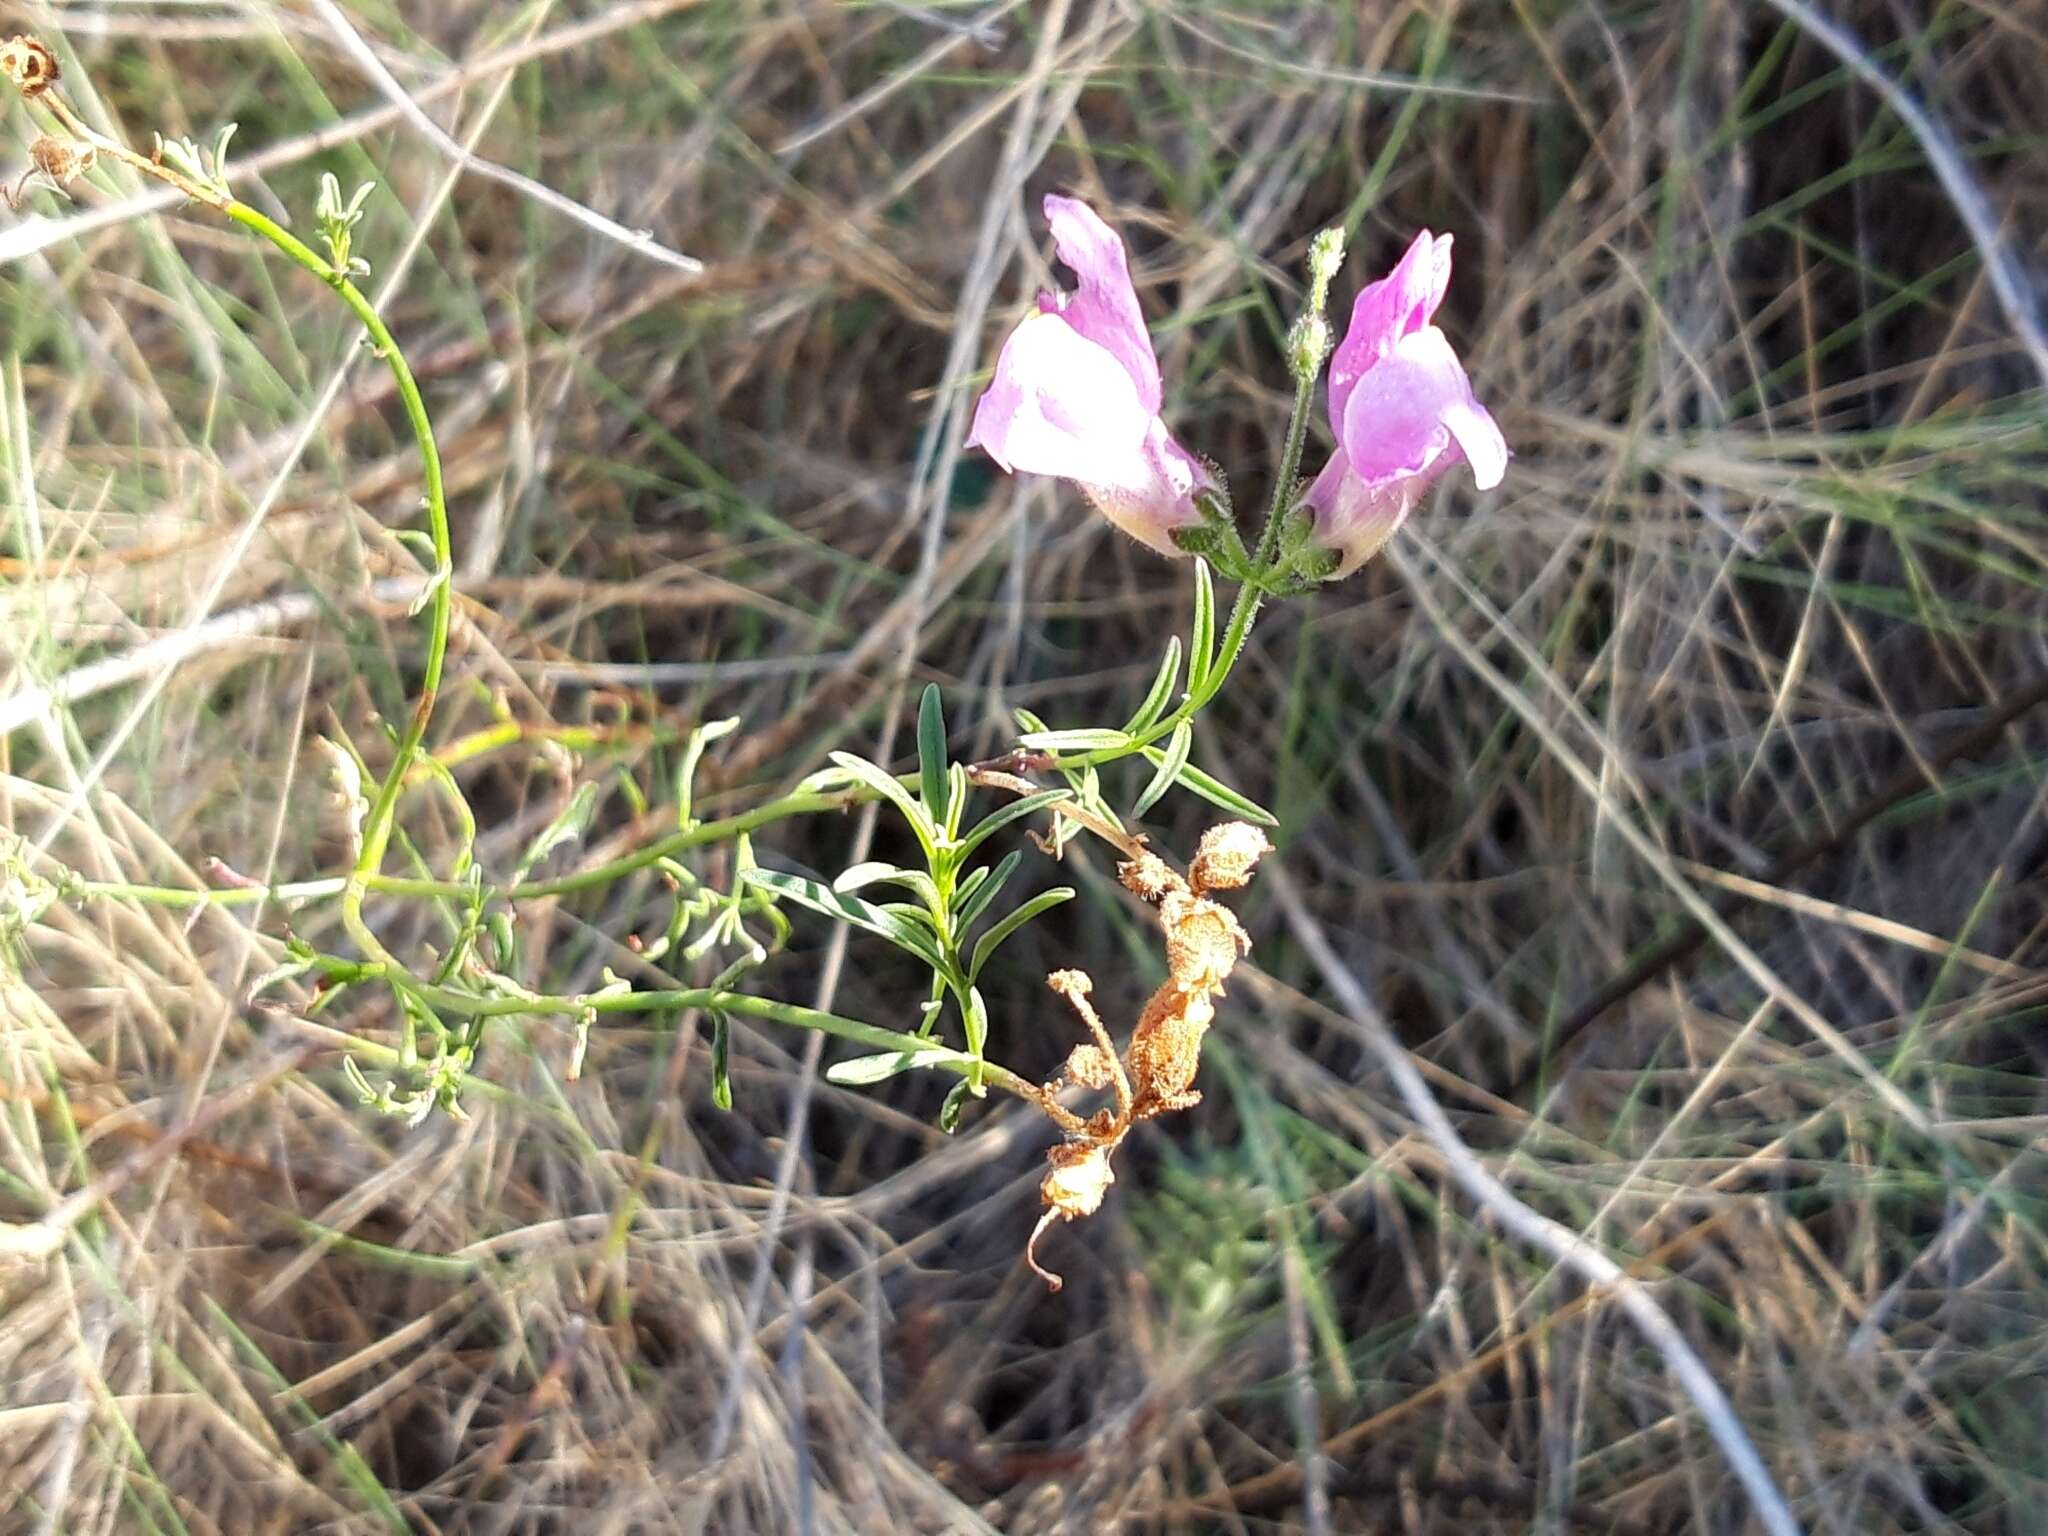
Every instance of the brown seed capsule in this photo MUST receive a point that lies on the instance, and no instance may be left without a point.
(1166, 1049)
(28, 65)
(1203, 941)
(1226, 857)
(1157, 1071)
(1074, 1186)
(1148, 876)
(1077, 1180)
(60, 160)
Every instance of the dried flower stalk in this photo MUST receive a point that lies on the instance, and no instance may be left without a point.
(1156, 1074)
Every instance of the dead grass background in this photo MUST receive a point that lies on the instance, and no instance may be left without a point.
(1769, 563)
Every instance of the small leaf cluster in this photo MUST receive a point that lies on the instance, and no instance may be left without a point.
(209, 169)
(949, 898)
(338, 221)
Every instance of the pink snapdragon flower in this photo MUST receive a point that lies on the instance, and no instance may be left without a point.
(1076, 392)
(1402, 409)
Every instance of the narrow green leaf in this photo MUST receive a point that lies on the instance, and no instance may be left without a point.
(1002, 816)
(885, 784)
(893, 926)
(693, 754)
(956, 1101)
(957, 789)
(981, 888)
(1170, 765)
(721, 1060)
(1202, 638)
(931, 754)
(1086, 739)
(565, 828)
(910, 912)
(969, 884)
(977, 1022)
(991, 941)
(877, 873)
(1216, 792)
(1161, 692)
(865, 1071)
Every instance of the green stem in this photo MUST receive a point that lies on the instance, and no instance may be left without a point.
(1250, 594)
(695, 835)
(927, 1053)
(383, 811)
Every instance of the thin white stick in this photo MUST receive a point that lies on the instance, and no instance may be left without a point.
(1560, 1242)
(174, 648)
(351, 41)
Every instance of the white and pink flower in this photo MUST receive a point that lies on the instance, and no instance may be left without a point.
(1076, 392)
(1402, 410)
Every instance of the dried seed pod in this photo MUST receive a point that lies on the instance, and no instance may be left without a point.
(1156, 1074)
(28, 65)
(61, 160)
(1166, 1050)
(1148, 876)
(1226, 857)
(1074, 1186)
(1203, 942)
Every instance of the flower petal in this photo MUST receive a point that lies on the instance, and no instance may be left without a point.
(1164, 500)
(1478, 434)
(1398, 420)
(1398, 305)
(1104, 305)
(1353, 518)
(1062, 405)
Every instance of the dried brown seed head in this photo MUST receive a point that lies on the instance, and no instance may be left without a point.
(1166, 1048)
(1203, 942)
(28, 65)
(1149, 876)
(1226, 857)
(1090, 1066)
(60, 160)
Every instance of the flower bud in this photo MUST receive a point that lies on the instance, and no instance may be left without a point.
(1308, 343)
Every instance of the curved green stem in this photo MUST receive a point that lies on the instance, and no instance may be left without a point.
(383, 811)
